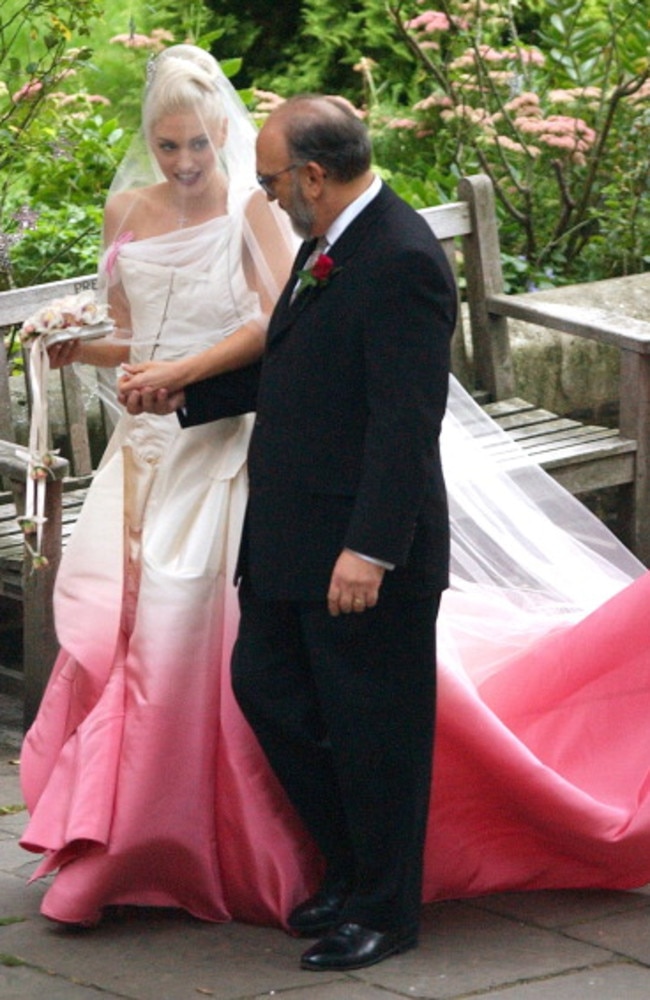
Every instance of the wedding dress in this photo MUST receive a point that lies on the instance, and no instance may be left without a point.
(542, 754)
(143, 782)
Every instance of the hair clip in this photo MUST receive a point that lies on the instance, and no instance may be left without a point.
(150, 71)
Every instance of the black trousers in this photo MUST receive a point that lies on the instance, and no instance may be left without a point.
(344, 709)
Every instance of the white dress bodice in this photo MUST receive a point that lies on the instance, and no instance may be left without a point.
(186, 290)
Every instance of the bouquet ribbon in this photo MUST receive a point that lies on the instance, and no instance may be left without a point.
(39, 457)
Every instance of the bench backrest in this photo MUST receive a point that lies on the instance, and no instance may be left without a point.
(468, 232)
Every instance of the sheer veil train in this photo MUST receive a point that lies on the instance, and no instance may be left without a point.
(528, 558)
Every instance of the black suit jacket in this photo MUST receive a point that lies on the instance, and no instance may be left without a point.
(352, 391)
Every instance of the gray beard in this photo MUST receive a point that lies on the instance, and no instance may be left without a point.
(300, 214)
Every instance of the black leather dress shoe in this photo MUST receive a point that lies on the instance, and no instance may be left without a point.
(350, 946)
(320, 912)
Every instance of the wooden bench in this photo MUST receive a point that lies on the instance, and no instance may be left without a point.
(71, 475)
(582, 458)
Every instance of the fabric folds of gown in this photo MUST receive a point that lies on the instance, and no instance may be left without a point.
(542, 770)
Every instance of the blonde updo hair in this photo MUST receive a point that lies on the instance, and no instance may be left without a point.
(181, 78)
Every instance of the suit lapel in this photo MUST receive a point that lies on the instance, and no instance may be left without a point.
(283, 309)
(341, 250)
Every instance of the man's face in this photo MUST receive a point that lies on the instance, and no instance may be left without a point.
(280, 179)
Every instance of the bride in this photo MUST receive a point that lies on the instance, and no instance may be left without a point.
(143, 783)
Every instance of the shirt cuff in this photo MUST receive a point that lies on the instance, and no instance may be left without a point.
(370, 559)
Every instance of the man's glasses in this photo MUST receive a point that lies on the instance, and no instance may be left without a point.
(265, 181)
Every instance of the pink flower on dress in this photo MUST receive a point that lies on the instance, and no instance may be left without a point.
(111, 255)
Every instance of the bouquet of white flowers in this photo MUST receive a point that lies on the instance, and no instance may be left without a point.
(69, 318)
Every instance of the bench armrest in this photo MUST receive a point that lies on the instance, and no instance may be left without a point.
(601, 325)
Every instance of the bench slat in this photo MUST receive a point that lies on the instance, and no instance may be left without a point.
(19, 303)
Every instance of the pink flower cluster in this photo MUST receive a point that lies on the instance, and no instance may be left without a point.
(574, 94)
(483, 75)
(560, 132)
(572, 135)
(486, 54)
(28, 90)
(433, 101)
(468, 113)
(430, 20)
(156, 40)
(64, 99)
(525, 105)
(407, 123)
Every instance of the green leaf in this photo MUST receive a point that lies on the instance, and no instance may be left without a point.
(231, 66)
(206, 40)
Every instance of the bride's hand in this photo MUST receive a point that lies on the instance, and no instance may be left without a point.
(153, 375)
(66, 352)
(160, 402)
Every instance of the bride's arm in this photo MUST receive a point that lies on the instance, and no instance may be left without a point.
(269, 250)
(105, 352)
(267, 254)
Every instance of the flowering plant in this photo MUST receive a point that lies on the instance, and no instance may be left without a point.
(556, 115)
(319, 274)
(66, 318)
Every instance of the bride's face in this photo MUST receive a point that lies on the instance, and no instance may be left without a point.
(185, 146)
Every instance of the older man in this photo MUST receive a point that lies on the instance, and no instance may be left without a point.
(345, 547)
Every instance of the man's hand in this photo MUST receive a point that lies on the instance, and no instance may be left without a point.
(354, 585)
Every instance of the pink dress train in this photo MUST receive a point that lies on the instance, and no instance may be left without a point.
(541, 780)
(542, 769)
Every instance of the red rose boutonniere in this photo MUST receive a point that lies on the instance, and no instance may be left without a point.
(319, 274)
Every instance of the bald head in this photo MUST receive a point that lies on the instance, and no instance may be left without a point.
(324, 130)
